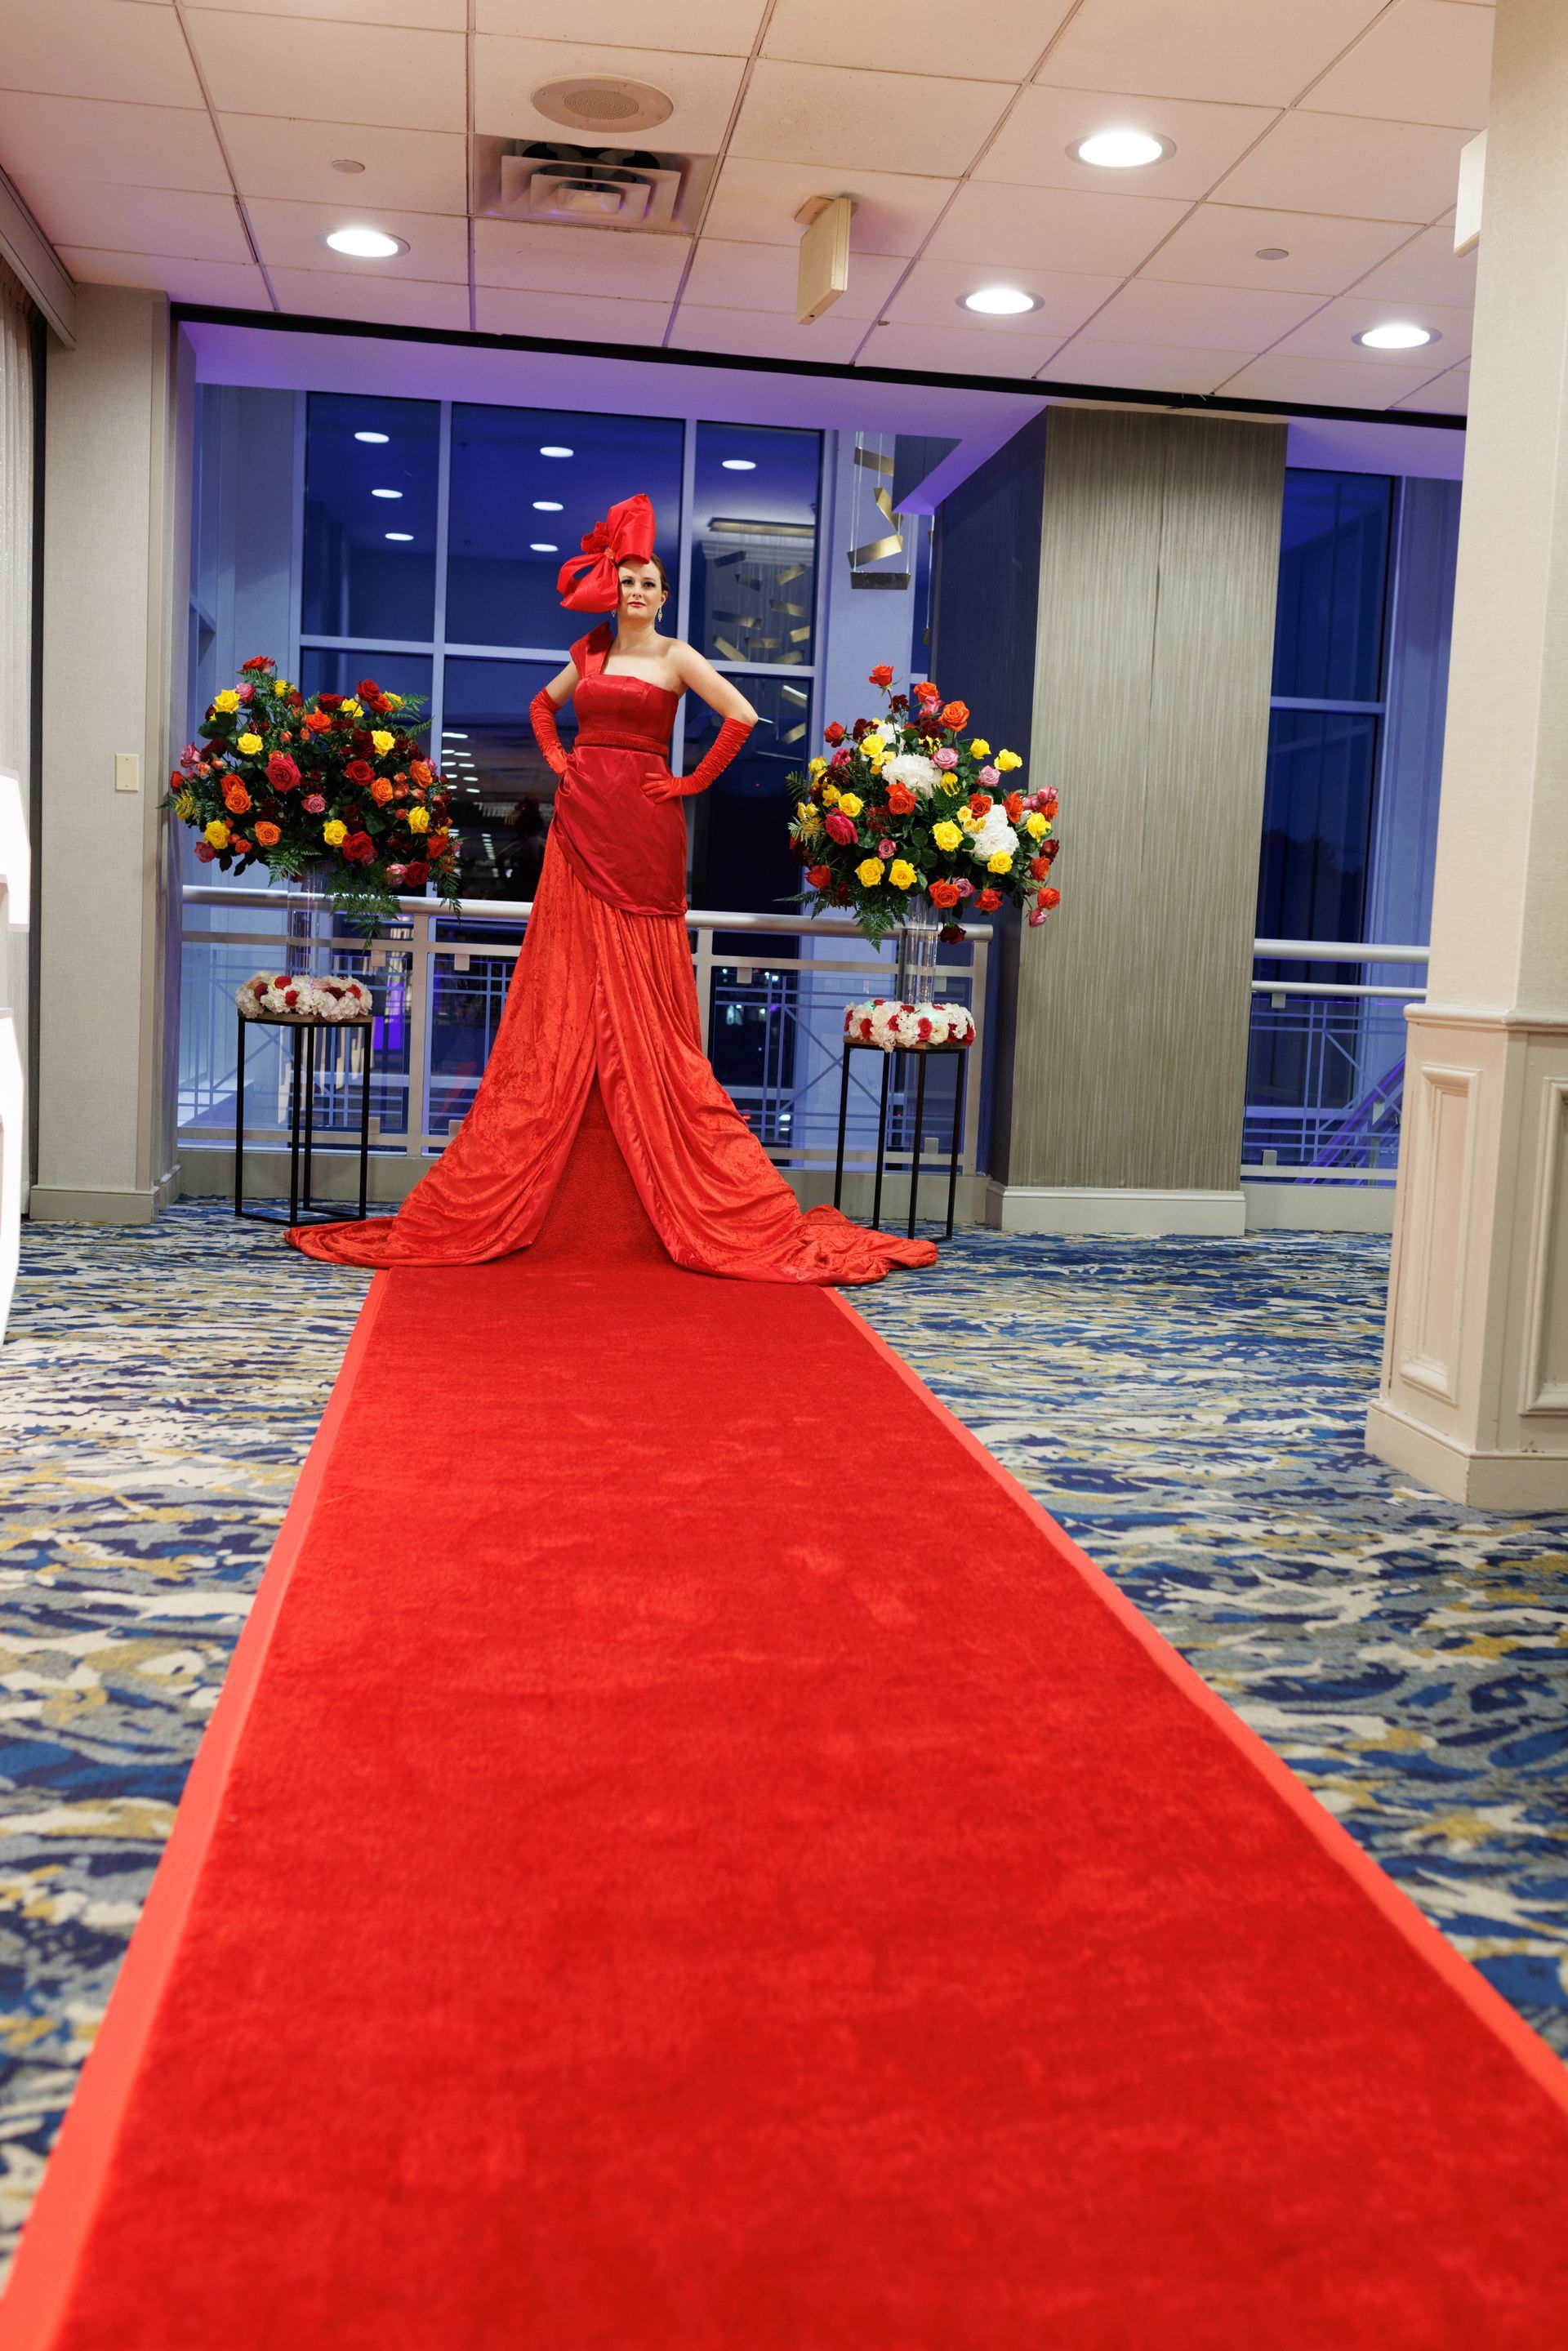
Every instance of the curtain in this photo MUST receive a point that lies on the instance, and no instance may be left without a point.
(17, 625)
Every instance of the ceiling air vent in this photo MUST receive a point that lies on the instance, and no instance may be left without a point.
(596, 187)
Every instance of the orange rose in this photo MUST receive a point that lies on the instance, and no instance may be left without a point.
(318, 721)
(268, 835)
(900, 800)
(380, 792)
(420, 769)
(237, 800)
(956, 714)
(1014, 806)
(944, 893)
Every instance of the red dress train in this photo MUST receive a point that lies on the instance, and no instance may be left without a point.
(604, 991)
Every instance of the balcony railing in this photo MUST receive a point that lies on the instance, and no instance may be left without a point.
(1326, 1064)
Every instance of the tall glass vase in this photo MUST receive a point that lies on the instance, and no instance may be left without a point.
(917, 937)
(309, 917)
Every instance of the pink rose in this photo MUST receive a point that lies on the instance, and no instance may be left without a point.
(965, 889)
(840, 828)
(1040, 915)
(887, 848)
(988, 776)
(1047, 802)
(313, 804)
(395, 875)
(842, 757)
(945, 758)
(247, 693)
(281, 772)
(206, 852)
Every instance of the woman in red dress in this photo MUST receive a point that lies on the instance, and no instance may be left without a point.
(604, 994)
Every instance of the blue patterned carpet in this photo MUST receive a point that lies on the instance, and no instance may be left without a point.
(1191, 1410)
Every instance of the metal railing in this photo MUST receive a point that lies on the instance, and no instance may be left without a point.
(772, 991)
(1326, 1065)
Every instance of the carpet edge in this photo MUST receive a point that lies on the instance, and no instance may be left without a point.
(39, 2287)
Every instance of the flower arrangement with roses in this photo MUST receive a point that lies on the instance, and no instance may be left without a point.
(336, 781)
(903, 807)
(294, 995)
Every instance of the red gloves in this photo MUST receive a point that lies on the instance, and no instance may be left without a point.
(732, 736)
(541, 718)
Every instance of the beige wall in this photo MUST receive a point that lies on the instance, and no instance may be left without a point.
(116, 534)
(1159, 558)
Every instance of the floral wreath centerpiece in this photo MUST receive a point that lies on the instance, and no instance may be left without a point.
(331, 785)
(904, 813)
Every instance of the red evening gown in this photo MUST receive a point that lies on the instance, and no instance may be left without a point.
(604, 993)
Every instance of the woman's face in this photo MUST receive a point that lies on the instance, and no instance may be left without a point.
(642, 595)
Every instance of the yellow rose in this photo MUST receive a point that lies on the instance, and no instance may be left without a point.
(967, 818)
(394, 700)
(418, 820)
(980, 747)
(249, 744)
(947, 835)
(817, 766)
(849, 804)
(869, 870)
(352, 709)
(901, 873)
(1007, 760)
(1000, 863)
(950, 785)
(811, 824)
(382, 740)
(333, 831)
(216, 835)
(830, 795)
(1036, 826)
(281, 686)
(227, 700)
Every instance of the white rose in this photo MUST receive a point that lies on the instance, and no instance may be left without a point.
(912, 767)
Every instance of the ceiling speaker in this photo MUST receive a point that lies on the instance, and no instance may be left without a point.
(598, 103)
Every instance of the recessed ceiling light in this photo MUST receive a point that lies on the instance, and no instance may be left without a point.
(543, 546)
(386, 493)
(402, 537)
(448, 734)
(1398, 335)
(547, 505)
(552, 449)
(1273, 253)
(346, 164)
(380, 439)
(364, 244)
(1001, 301)
(738, 464)
(1121, 151)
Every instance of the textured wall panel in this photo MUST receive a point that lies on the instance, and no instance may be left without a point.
(1158, 563)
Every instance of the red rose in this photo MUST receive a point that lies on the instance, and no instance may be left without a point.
(1050, 850)
(989, 901)
(833, 734)
(259, 660)
(951, 934)
(1014, 806)
(418, 874)
(900, 800)
(359, 771)
(819, 876)
(1049, 898)
(880, 675)
(944, 893)
(360, 849)
(955, 714)
(1040, 867)
(368, 690)
(282, 773)
(206, 852)
(980, 803)
(329, 701)
(841, 828)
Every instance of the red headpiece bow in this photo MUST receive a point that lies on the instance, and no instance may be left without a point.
(590, 582)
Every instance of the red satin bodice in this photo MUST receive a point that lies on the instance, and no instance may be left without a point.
(626, 847)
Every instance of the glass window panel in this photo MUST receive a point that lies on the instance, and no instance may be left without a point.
(1317, 816)
(743, 856)
(754, 543)
(325, 671)
(358, 582)
(503, 791)
(1333, 562)
(516, 515)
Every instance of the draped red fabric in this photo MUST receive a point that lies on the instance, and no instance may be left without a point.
(604, 988)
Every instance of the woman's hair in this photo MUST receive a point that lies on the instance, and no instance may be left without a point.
(657, 564)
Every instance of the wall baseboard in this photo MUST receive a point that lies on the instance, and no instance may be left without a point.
(1482, 1481)
(1047, 1208)
(1319, 1207)
(51, 1204)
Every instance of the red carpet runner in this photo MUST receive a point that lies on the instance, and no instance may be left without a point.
(689, 1856)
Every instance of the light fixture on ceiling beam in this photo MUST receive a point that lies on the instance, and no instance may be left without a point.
(1397, 335)
(824, 270)
(378, 439)
(1472, 182)
(362, 243)
(1121, 149)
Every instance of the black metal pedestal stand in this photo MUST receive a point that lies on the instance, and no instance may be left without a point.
(301, 1122)
(922, 1054)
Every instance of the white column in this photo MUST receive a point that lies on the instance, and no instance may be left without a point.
(116, 557)
(1474, 1399)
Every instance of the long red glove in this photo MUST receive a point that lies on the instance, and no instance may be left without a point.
(541, 718)
(732, 738)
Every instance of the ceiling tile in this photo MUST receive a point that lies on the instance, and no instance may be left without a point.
(1250, 52)
(762, 335)
(763, 277)
(1339, 163)
(419, 171)
(140, 220)
(1328, 335)
(100, 48)
(1446, 395)
(960, 352)
(931, 295)
(997, 40)
(835, 115)
(389, 301)
(1030, 149)
(570, 318)
(712, 28)
(382, 76)
(533, 258)
(1323, 383)
(1217, 244)
(1200, 317)
(1427, 269)
(431, 16)
(1140, 367)
(508, 71)
(129, 146)
(757, 202)
(1003, 227)
(1423, 62)
(233, 288)
(289, 236)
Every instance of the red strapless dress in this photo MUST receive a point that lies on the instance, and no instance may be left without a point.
(604, 994)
